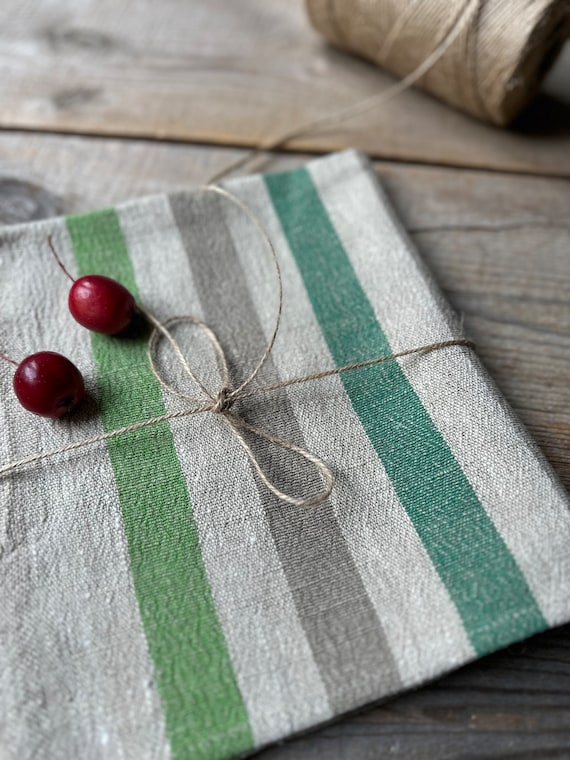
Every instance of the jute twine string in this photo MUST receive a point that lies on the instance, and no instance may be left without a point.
(493, 67)
(451, 31)
(221, 402)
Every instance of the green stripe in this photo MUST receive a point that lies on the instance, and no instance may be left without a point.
(481, 575)
(204, 713)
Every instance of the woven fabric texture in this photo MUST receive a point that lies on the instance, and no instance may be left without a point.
(156, 600)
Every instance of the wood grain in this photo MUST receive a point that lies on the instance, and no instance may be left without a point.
(236, 73)
(498, 245)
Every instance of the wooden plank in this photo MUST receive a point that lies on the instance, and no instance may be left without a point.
(236, 73)
(498, 246)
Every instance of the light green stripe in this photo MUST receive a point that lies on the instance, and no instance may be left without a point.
(204, 712)
(484, 581)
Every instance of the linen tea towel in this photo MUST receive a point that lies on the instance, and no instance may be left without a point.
(157, 600)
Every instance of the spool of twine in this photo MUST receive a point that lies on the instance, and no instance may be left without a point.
(492, 69)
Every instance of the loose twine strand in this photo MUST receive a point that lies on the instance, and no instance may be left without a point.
(468, 10)
(221, 402)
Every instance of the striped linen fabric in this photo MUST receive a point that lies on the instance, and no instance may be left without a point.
(156, 600)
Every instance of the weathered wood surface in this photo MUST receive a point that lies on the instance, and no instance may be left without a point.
(499, 247)
(235, 73)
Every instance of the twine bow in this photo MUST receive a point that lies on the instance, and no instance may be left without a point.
(223, 400)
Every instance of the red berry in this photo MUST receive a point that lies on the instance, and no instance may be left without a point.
(101, 304)
(48, 384)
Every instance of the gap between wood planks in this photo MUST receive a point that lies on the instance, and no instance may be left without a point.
(293, 151)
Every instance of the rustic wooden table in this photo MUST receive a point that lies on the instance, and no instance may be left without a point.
(104, 100)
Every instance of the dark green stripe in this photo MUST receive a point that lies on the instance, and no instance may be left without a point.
(481, 575)
(204, 713)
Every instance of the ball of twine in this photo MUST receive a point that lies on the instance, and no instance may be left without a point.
(494, 66)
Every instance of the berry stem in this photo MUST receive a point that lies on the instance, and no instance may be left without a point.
(59, 261)
(7, 359)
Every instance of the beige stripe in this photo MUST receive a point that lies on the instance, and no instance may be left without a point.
(508, 473)
(75, 675)
(274, 667)
(398, 575)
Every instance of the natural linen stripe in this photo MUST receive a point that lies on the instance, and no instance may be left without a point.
(274, 667)
(76, 678)
(332, 604)
(204, 712)
(532, 517)
(380, 535)
(477, 568)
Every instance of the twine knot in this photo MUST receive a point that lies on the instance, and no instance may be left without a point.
(224, 400)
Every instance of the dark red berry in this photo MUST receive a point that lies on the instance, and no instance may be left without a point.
(101, 304)
(48, 384)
